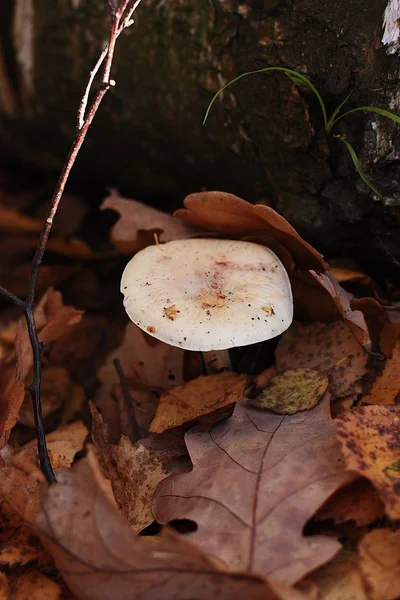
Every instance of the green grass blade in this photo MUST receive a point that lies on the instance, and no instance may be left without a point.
(333, 119)
(295, 76)
(374, 109)
(357, 165)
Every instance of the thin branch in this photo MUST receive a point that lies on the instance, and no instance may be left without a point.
(12, 298)
(119, 22)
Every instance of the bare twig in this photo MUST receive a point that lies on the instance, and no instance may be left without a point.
(121, 18)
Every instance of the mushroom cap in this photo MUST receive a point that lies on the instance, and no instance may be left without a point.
(208, 294)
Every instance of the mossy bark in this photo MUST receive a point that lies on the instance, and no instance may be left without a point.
(264, 140)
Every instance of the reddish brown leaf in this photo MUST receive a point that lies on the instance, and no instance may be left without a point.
(100, 558)
(380, 563)
(370, 440)
(327, 347)
(359, 502)
(227, 214)
(138, 223)
(353, 318)
(197, 397)
(133, 471)
(257, 478)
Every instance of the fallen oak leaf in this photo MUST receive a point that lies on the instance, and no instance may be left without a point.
(358, 501)
(100, 559)
(327, 347)
(227, 214)
(257, 478)
(292, 391)
(370, 442)
(133, 471)
(386, 387)
(380, 563)
(197, 397)
(137, 219)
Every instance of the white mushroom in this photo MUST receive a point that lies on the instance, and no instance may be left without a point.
(208, 294)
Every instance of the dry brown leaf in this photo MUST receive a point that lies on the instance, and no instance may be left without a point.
(4, 588)
(340, 579)
(147, 364)
(327, 347)
(33, 585)
(370, 441)
(354, 319)
(234, 217)
(133, 471)
(292, 391)
(380, 563)
(257, 478)
(21, 480)
(390, 333)
(359, 502)
(386, 387)
(138, 222)
(12, 390)
(100, 558)
(197, 397)
(149, 361)
(62, 443)
(18, 544)
(56, 389)
(12, 221)
(343, 274)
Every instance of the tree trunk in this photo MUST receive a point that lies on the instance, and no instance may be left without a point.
(265, 138)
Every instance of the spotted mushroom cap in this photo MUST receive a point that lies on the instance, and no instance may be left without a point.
(208, 294)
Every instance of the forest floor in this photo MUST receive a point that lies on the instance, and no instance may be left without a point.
(271, 473)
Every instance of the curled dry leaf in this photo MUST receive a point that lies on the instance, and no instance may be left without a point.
(386, 387)
(197, 397)
(256, 480)
(370, 441)
(101, 559)
(380, 563)
(227, 214)
(292, 391)
(138, 223)
(359, 502)
(340, 579)
(354, 319)
(329, 348)
(133, 471)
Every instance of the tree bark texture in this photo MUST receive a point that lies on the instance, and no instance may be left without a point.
(264, 140)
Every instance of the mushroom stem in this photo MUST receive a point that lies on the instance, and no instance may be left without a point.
(215, 361)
